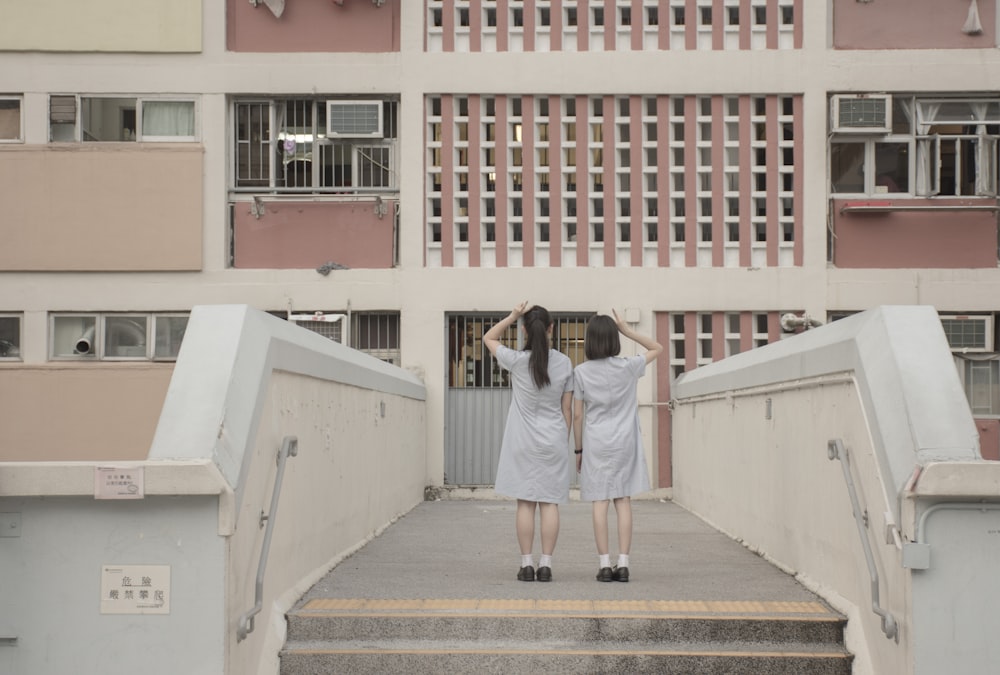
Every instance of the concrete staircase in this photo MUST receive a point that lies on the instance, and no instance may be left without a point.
(436, 593)
(564, 636)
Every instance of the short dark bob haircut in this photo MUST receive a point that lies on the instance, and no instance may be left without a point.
(602, 339)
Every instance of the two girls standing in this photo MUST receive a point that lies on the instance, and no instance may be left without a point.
(534, 455)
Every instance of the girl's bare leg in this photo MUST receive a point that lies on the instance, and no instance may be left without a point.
(623, 509)
(524, 523)
(549, 520)
(600, 510)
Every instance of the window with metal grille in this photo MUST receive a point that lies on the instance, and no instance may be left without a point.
(297, 145)
(470, 363)
(375, 333)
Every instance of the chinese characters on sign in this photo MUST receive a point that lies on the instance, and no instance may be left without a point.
(112, 482)
(135, 589)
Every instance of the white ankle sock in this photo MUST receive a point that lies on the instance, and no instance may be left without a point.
(623, 559)
(545, 561)
(526, 561)
(605, 561)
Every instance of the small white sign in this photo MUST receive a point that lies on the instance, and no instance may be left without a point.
(114, 482)
(135, 589)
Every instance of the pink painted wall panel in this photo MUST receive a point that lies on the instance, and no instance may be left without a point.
(664, 473)
(297, 235)
(911, 24)
(989, 438)
(927, 239)
(314, 26)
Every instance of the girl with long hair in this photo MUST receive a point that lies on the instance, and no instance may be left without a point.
(534, 463)
(609, 454)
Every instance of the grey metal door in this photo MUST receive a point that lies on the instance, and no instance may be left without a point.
(478, 395)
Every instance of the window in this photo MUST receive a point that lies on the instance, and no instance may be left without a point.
(290, 144)
(374, 333)
(377, 333)
(936, 147)
(981, 379)
(105, 119)
(10, 336)
(11, 130)
(117, 336)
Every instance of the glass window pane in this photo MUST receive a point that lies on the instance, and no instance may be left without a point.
(74, 336)
(168, 118)
(169, 331)
(847, 167)
(10, 119)
(981, 386)
(107, 119)
(10, 337)
(125, 336)
(892, 167)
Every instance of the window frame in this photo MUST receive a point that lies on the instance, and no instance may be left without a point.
(19, 99)
(101, 334)
(966, 371)
(140, 137)
(868, 164)
(272, 175)
(925, 150)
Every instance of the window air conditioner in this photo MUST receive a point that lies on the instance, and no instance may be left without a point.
(968, 332)
(354, 119)
(328, 325)
(861, 113)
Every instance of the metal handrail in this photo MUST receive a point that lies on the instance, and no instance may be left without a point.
(835, 449)
(289, 448)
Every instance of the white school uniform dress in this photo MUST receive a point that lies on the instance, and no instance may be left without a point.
(534, 456)
(614, 464)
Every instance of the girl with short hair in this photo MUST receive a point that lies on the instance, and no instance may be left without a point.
(609, 452)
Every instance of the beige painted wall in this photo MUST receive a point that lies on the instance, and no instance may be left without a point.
(101, 25)
(78, 412)
(121, 207)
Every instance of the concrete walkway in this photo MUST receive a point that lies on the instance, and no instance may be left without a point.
(453, 549)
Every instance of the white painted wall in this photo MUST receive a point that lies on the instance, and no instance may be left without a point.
(750, 438)
(244, 381)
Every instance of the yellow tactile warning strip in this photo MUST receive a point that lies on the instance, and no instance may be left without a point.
(686, 608)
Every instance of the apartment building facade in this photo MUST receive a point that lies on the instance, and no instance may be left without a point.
(398, 175)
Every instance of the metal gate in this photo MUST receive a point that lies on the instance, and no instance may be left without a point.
(478, 393)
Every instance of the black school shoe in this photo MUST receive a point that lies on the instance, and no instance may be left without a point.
(620, 574)
(526, 573)
(544, 574)
(605, 574)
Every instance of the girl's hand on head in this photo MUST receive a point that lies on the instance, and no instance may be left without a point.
(519, 311)
(619, 321)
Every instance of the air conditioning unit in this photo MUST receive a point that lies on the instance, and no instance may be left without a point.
(861, 113)
(968, 332)
(354, 119)
(328, 325)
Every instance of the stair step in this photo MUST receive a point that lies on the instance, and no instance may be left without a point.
(550, 656)
(458, 635)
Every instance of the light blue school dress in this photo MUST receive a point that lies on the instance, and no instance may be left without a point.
(614, 464)
(535, 453)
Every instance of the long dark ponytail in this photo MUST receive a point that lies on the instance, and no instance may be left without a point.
(536, 324)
